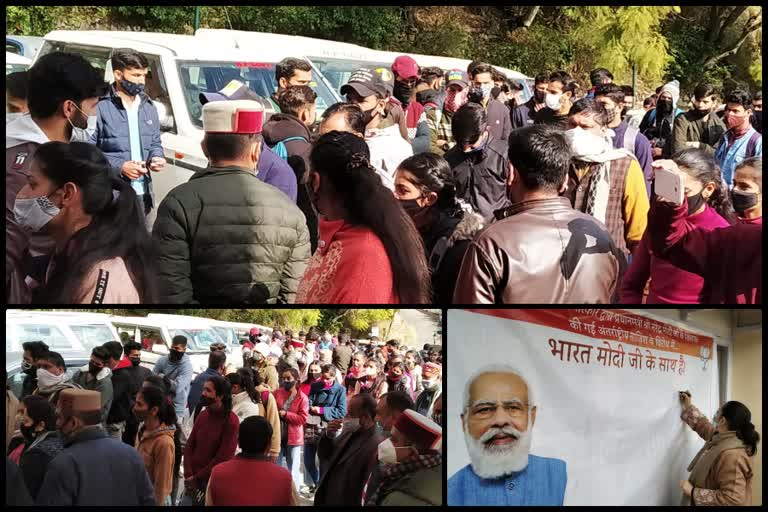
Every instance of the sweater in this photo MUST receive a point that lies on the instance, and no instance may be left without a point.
(213, 440)
(158, 452)
(244, 407)
(250, 481)
(669, 284)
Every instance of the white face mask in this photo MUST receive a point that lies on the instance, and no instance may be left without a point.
(83, 134)
(46, 379)
(486, 89)
(35, 212)
(10, 116)
(387, 452)
(584, 143)
(430, 384)
(552, 101)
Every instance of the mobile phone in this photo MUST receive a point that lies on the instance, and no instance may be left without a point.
(669, 186)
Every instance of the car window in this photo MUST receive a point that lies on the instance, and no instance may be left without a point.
(150, 337)
(15, 382)
(97, 56)
(227, 334)
(339, 71)
(47, 333)
(9, 339)
(92, 335)
(157, 89)
(198, 340)
(13, 47)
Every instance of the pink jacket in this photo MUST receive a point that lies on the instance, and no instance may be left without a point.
(296, 416)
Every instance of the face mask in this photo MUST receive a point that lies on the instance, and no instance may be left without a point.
(695, 202)
(315, 376)
(35, 212)
(402, 91)
(83, 134)
(387, 452)
(743, 201)
(328, 383)
(736, 122)
(131, 88)
(93, 369)
(624, 112)
(206, 401)
(411, 206)
(135, 361)
(175, 355)
(10, 116)
(350, 424)
(539, 96)
(27, 368)
(552, 101)
(483, 90)
(46, 379)
(368, 115)
(664, 107)
(479, 148)
(258, 357)
(584, 143)
(28, 432)
(289, 385)
(455, 100)
(371, 372)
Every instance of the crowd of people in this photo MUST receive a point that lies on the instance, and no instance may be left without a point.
(425, 185)
(365, 418)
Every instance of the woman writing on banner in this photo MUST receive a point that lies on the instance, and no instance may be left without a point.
(721, 473)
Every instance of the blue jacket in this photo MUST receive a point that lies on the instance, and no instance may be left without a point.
(181, 374)
(276, 171)
(196, 388)
(333, 400)
(96, 469)
(542, 482)
(729, 157)
(111, 135)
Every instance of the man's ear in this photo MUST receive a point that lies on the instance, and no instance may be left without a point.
(463, 428)
(511, 177)
(533, 416)
(204, 147)
(282, 83)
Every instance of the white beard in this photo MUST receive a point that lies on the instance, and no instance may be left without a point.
(496, 461)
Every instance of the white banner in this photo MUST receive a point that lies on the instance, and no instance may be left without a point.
(606, 387)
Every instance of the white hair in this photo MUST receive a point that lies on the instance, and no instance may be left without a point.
(497, 368)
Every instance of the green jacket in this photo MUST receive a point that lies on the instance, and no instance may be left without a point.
(226, 236)
(421, 488)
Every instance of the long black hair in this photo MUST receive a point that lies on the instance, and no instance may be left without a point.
(740, 419)
(117, 229)
(699, 165)
(244, 378)
(223, 388)
(155, 397)
(432, 174)
(340, 158)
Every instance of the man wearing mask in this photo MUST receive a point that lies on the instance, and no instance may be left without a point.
(16, 85)
(266, 371)
(407, 72)
(440, 131)
(128, 127)
(499, 123)
(212, 233)
(757, 111)
(96, 376)
(598, 76)
(699, 127)
(127, 378)
(657, 123)
(561, 92)
(62, 95)
(79, 476)
(433, 77)
(741, 141)
(525, 114)
(52, 376)
(612, 97)
(216, 362)
(433, 388)
(348, 451)
(32, 352)
(290, 72)
(479, 166)
(178, 368)
(369, 88)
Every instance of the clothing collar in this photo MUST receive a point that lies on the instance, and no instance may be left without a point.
(86, 434)
(231, 169)
(23, 130)
(248, 456)
(146, 434)
(39, 439)
(552, 203)
(328, 230)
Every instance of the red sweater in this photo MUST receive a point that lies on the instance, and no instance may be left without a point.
(350, 266)
(296, 416)
(245, 481)
(669, 283)
(213, 440)
(729, 259)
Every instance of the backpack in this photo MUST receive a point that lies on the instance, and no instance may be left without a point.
(280, 149)
(630, 135)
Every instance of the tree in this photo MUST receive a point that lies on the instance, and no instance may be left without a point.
(722, 20)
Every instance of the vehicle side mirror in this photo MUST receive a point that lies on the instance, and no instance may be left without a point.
(160, 348)
(166, 119)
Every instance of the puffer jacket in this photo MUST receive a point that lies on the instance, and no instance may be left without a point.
(541, 251)
(102, 383)
(112, 137)
(225, 236)
(36, 457)
(422, 487)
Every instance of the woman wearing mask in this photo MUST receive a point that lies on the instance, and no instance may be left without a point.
(372, 381)
(439, 121)
(708, 208)
(327, 401)
(41, 439)
(246, 401)
(413, 368)
(313, 375)
(369, 252)
(356, 371)
(722, 471)
(294, 410)
(397, 380)
(747, 191)
(100, 251)
(446, 225)
(155, 441)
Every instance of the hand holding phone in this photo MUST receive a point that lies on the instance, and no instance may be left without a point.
(668, 182)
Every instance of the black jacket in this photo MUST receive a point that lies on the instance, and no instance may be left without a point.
(549, 116)
(35, 459)
(15, 491)
(480, 177)
(524, 114)
(126, 382)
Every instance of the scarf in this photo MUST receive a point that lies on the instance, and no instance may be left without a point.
(391, 473)
(455, 100)
(703, 461)
(600, 183)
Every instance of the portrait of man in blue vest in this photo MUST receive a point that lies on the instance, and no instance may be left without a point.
(499, 414)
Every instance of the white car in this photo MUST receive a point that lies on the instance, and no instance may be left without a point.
(15, 62)
(60, 330)
(180, 68)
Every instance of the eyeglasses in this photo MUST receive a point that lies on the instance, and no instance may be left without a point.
(516, 410)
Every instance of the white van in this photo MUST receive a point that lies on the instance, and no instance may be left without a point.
(155, 333)
(180, 68)
(62, 331)
(15, 62)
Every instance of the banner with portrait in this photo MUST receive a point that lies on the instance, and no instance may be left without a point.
(606, 385)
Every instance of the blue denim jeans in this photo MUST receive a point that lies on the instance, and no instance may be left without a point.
(310, 462)
(292, 457)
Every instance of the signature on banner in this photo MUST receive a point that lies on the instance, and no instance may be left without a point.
(609, 356)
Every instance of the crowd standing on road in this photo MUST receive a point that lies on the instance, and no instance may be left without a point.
(401, 194)
(363, 427)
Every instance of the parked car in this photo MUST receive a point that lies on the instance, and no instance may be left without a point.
(26, 46)
(60, 330)
(232, 333)
(180, 68)
(14, 63)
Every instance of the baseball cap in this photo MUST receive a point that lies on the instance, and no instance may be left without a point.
(458, 77)
(255, 331)
(405, 67)
(238, 116)
(368, 82)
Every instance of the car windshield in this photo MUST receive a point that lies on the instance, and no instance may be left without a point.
(12, 68)
(197, 77)
(228, 334)
(198, 340)
(92, 335)
(338, 71)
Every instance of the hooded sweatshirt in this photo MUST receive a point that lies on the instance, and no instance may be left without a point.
(157, 450)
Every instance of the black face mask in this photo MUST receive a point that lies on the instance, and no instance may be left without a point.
(28, 432)
(93, 369)
(402, 91)
(743, 201)
(411, 206)
(206, 401)
(175, 355)
(624, 112)
(695, 202)
(664, 107)
(135, 361)
(539, 96)
(315, 376)
(368, 115)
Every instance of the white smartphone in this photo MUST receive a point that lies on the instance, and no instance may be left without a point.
(669, 185)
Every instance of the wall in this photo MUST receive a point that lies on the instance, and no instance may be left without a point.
(747, 385)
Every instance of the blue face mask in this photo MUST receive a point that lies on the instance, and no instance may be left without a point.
(131, 88)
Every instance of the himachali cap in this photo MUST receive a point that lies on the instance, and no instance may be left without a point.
(368, 81)
(458, 77)
(234, 90)
(405, 67)
(76, 401)
(297, 343)
(431, 368)
(418, 428)
(239, 116)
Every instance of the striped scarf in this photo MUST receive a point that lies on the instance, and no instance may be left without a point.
(391, 473)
